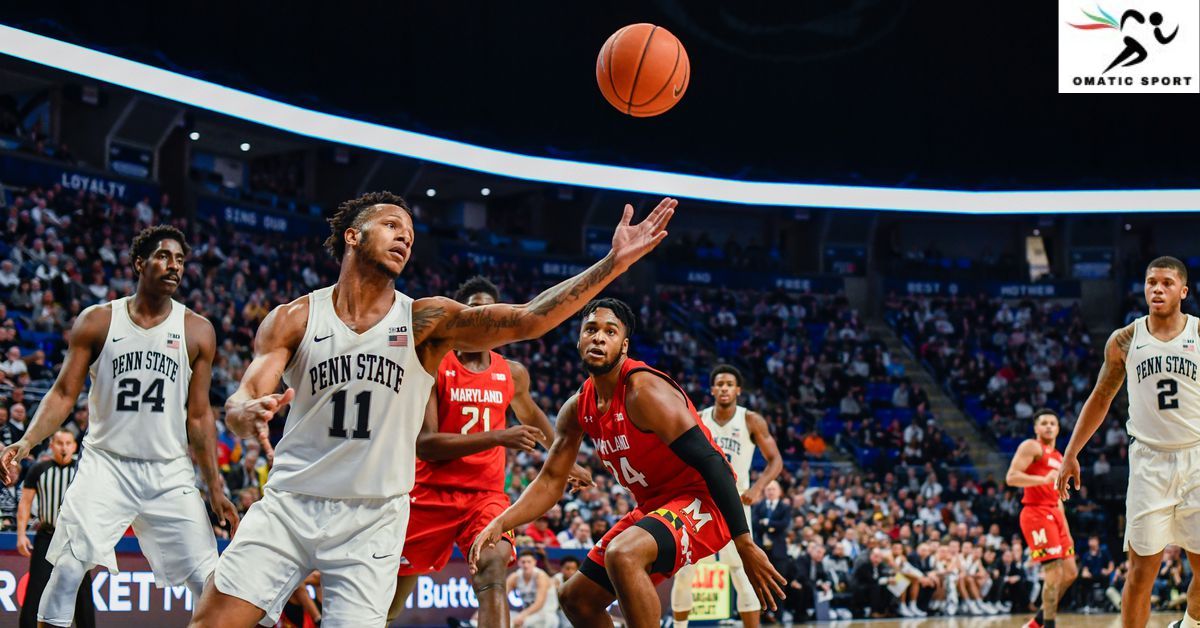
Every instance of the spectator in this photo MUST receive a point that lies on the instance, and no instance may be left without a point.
(814, 446)
(13, 366)
(1095, 570)
(540, 533)
(870, 579)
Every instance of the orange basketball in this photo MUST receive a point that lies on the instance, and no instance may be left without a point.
(643, 70)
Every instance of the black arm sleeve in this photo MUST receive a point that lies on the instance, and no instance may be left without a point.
(694, 449)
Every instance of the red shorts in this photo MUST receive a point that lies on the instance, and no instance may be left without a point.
(438, 519)
(1046, 533)
(696, 528)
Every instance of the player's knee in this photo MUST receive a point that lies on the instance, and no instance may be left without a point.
(490, 572)
(574, 605)
(623, 558)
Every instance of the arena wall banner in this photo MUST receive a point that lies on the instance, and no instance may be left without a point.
(21, 170)
(718, 277)
(544, 266)
(244, 218)
(1000, 289)
(710, 592)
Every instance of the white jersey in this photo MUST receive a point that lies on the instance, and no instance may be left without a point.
(1164, 390)
(360, 401)
(526, 590)
(734, 439)
(139, 394)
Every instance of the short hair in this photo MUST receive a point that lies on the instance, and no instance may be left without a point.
(1043, 411)
(1169, 263)
(725, 368)
(619, 309)
(568, 559)
(63, 430)
(476, 285)
(353, 213)
(530, 553)
(146, 242)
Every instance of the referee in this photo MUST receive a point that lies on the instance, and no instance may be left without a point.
(48, 481)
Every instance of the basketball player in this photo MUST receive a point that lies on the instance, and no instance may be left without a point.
(539, 598)
(737, 431)
(358, 357)
(649, 436)
(150, 362)
(460, 468)
(1157, 356)
(1035, 468)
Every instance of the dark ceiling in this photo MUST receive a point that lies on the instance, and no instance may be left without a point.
(925, 93)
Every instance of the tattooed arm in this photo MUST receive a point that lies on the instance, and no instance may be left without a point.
(441, 324)
(1108, 384)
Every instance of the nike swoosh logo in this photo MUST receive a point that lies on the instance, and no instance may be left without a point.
(118, 339)
(381, 557)
(678, 89)
(1137, 347)
(320, 338)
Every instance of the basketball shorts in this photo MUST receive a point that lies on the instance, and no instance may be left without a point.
(441, 518)
(158, 498)
(687, 528)
(355, 543)
(1162, 506)
(1046, 533)
(747, 598)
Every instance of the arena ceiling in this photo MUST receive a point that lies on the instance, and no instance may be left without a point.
(859, 92)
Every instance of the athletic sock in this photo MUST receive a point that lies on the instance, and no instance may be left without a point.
(1049, 624)
(1039, 618)
(681, 624)
(1189, 620)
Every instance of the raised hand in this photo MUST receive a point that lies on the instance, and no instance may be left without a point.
(631, 242)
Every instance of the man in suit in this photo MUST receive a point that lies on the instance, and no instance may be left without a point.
(771, 520)
(807, 578)
(870, 581)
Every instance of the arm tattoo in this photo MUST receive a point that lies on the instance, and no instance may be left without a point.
(426, 319)
(571, 289)
(486, 319)
(1124, 337)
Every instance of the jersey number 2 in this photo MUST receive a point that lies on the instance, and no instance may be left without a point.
(127, 399)
(363, 401)
(1167, 389)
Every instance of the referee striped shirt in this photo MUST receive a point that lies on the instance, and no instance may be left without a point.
(50, 480)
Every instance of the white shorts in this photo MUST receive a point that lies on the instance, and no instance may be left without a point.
(160, 500)
(354, 543)
(1163, 504)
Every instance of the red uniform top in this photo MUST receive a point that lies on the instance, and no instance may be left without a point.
(1043, 494)
(639, 460)
(470, 402)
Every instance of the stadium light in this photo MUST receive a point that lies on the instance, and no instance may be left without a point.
(341, 130)
(431, 192)
(485, 192)
(245, 146)
(194, 135)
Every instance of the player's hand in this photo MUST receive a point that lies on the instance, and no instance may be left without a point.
(251, 417)
(10, 461)
(1052, 478)
(1069, 471)
(521, 438)
(767, 582)
(631, 242)
(751, 496)
(578, 479)
(225, 510)
(487, 539)
(24, 547)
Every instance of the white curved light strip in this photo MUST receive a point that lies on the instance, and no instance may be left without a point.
(341, 130)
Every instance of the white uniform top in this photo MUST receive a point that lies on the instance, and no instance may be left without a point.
(360, 401)
(527, 591)
(1164, 392)
(734, 439)
(139, 394)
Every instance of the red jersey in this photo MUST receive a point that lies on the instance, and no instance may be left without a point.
(1043, 494)
(470, 402)
(639, 460)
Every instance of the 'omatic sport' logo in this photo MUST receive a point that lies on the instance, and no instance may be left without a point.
(1152, 48)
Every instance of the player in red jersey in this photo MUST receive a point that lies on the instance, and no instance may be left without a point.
(460, 468)
(649, 436)
(1035, 467)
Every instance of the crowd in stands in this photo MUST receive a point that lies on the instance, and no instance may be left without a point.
(912, 534)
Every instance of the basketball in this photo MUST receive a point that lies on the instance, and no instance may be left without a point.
(643, 70)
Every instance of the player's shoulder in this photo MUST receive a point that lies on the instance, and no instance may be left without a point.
(1030, 445)
(195, 321)
(93, 322)
(1122, 337)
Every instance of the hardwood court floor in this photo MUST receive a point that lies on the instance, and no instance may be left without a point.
(1158, 620)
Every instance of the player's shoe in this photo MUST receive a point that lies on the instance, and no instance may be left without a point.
(1178, 623)
(1032, 623)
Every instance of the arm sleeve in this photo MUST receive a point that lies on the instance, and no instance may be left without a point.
(696, 450)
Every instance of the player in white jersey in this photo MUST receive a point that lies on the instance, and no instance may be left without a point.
(150, 362)
(357, 357)
(1158, 356)
(737, 430)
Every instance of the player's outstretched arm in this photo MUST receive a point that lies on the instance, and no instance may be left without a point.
(88, 335)
(201, 422)
(1091, 417)
(441, 324)
(654, 405)
(545, 490)
(433, 444)
(760, 433)
(255, 402)
(1027, 453)
(529, 413)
